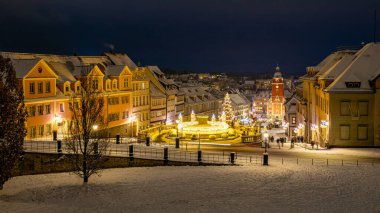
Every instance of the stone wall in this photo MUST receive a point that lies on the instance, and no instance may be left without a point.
(41, 163)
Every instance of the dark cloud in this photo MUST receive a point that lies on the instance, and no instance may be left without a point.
(201, 35)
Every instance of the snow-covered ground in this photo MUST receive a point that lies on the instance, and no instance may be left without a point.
(277, 188)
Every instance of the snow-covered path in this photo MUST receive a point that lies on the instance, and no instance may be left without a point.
(288, 188)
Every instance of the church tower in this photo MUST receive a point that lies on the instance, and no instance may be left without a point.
(276, 108)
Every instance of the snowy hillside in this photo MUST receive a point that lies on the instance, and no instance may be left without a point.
(276, 188)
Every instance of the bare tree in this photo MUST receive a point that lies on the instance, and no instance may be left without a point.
(12, 120)
(86, 142)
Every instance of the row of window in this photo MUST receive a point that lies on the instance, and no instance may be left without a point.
(347, 108)
(41, 110)
(115, 100)
(158, 102)
(143, 116)
(323, 104)
(114, 84)
(116, 116)
(140, 101)
(113, 117)
(40, 87)
(140, 86)
(40, 130)
(154, 114)
(362, 132)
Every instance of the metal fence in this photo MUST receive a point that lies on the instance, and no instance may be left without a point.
(156, 151)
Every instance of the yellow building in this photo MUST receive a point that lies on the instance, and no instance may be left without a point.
(340, 103)
(48, 81)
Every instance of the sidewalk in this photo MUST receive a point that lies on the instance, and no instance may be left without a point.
(309, 147)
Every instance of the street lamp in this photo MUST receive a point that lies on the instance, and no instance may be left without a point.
(57, 121)
(177, 122)
(131, 119)
(95, 127)
(266, 135)
(199, 140)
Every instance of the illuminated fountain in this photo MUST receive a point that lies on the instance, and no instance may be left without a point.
(200, 126)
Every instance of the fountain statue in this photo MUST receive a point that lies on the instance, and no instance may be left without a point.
(200, 125)
(192, 116)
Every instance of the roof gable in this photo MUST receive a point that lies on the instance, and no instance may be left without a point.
(96, 71)
(40, 70)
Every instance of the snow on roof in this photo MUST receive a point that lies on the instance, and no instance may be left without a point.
(327, 63)
(364, 67)
(156, 70)
(238, 99)
(121, 59)
(63, 71)
(23, 66)
(337, 68)
(114, 70)
(155, 92)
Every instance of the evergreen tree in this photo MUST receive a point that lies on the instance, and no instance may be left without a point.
(12, 120)
(227, 108)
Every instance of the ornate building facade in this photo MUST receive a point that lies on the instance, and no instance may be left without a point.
(276, 108)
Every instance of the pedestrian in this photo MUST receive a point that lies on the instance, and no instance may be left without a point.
(312, 144)
(301, 139)
(278, 143)
(282, 142)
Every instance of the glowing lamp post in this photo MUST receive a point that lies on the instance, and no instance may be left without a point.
(324, 125)
(265, 155)
(177, 122)
(57, 120)
(266, 135)
(132, 119)
(199, 140)
(95, 127)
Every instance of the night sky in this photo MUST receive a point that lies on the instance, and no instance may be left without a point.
(241, 36)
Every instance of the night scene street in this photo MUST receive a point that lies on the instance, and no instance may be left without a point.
(189, 106)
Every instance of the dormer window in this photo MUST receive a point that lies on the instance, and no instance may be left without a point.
(114, 84)
(353, 84)
(95, 84)
(126, 82)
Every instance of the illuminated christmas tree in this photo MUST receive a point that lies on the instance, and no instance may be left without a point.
(227, 108)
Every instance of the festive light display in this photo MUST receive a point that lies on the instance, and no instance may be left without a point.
(227, 108)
